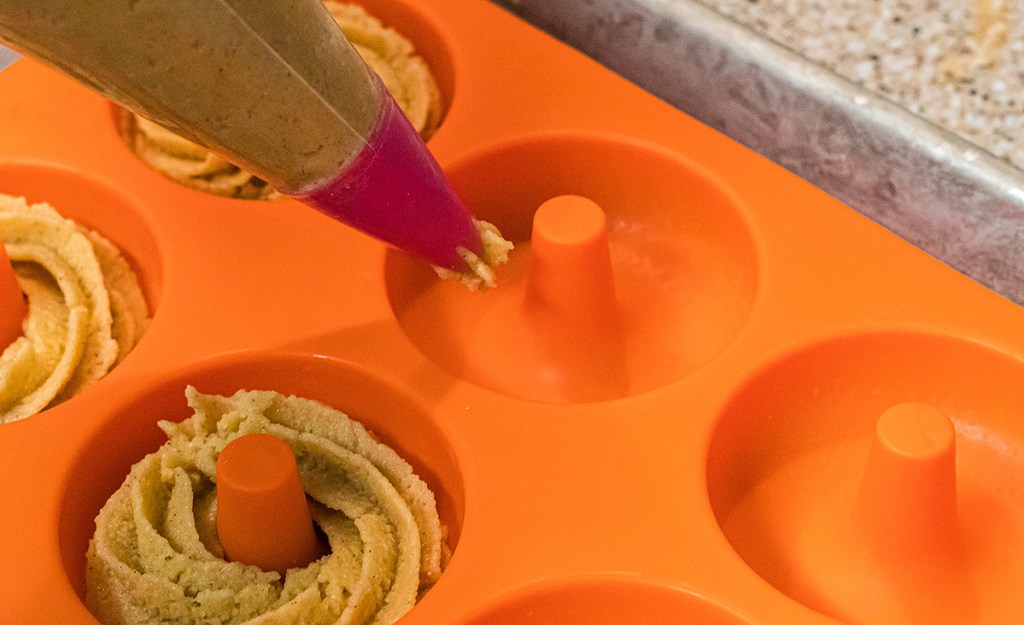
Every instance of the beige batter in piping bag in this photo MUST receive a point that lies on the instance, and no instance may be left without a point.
(274, 87)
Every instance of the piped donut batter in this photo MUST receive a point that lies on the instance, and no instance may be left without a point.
(155, 556)
(86, 310)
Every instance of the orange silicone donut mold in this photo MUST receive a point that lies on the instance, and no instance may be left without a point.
(883, 458)
(776, 348)
(672, 272)
(603, 599)
(393, 416)
(13, 307)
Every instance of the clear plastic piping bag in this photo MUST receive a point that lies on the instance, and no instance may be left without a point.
(271, 85)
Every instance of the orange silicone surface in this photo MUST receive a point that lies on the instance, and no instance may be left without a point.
(703, 392)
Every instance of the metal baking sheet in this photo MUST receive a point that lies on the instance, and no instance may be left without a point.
(937, 191)
(7, 57)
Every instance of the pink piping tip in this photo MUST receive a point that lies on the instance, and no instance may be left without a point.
(396, 192)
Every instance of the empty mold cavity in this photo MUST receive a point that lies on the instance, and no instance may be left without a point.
(603, 600)
(879, 479)
(130, 432)
(425, 97)
(632, 268)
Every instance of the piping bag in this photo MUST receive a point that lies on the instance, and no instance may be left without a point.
(271, 85)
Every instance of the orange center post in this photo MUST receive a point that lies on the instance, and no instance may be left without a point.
(262, 515)
(571, 269)
(897, 555)
(907, 501)
(12, 302)
(569, 344)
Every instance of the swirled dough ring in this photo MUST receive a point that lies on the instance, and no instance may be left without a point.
(86, 310)
(155, 558)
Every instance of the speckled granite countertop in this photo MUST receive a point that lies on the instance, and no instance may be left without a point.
(909, 111)
(957, 64)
